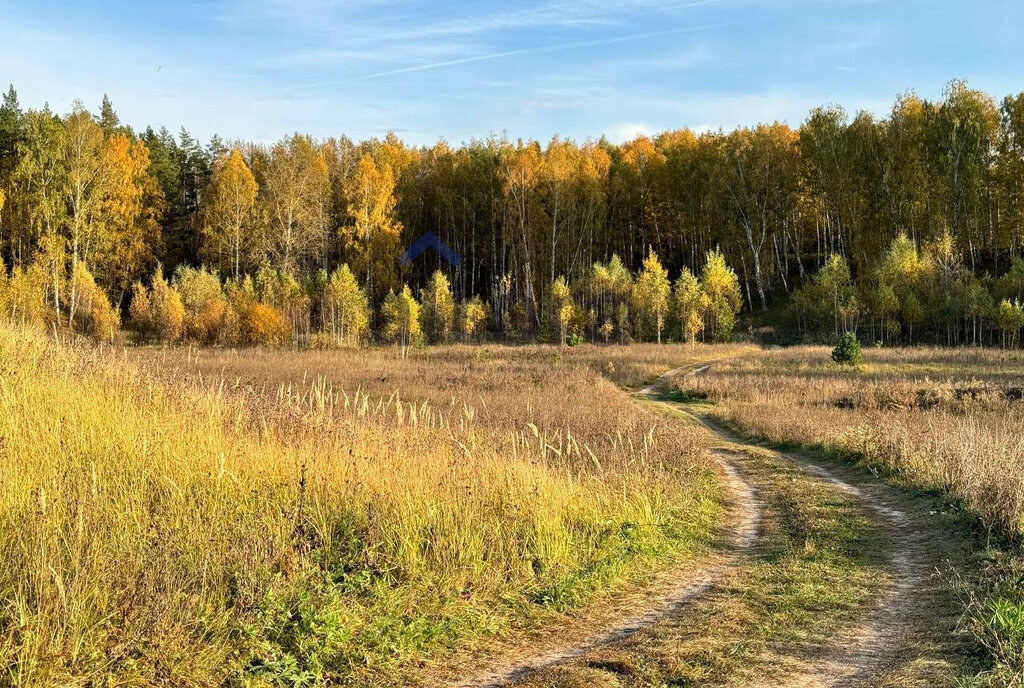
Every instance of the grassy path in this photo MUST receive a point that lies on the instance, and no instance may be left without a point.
(838, 590)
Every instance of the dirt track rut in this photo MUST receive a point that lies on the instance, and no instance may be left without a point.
(855, 657)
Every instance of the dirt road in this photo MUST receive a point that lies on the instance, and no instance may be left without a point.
(878, 640)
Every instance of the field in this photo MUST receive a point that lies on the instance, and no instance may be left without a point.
(206, 517)
(283, 518)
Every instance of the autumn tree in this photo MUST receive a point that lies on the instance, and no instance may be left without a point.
(472, 318)
(724, 299)
(638, 169)
(401, 312)
(900, 276)
(372, 234)
(296, 184)
(229, 207)
(651, 293)
(1010, 320)
(831, 298)
(437, 314)
(562, 307)
(524, 214)
(758, 170)
(140, 316)
(346, 309)
(689, 302)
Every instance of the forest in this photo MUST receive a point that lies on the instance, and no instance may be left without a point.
(904, 229)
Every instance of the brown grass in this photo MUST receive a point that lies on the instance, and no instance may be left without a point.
(942, 419)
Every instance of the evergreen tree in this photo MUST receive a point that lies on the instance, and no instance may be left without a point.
(108, 120)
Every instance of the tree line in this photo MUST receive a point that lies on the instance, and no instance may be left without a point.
(904, 228)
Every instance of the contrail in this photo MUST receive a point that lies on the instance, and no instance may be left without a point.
(514, 53)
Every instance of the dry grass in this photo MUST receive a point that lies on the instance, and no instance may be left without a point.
(482, 376)
(942, 419)
(290, 519)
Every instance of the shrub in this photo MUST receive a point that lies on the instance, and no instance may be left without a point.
(204, 303)
(283, 292)
(473, 318)
(1010, 320)
(140, 315)
(104, 321)
(848, 351)
(93, 314)
(166, 309)
(263, 325)
(323, 341)
(23, 297)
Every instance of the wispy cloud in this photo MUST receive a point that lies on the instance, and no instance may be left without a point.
(471, 18)
(553, 15)
(574, 45)
(259, 69)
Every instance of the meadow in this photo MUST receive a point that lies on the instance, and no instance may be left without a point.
(941, 419)
(281, 517)
(258, 518)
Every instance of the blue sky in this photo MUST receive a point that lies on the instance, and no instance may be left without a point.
(457, 69)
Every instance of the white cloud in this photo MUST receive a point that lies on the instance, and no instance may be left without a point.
(628, 131)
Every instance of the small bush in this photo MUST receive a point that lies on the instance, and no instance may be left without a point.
(848, 351)
(166, 310)
(323, 341)
(263, 325)
(93, 314)
(204, 303)
(140, 315)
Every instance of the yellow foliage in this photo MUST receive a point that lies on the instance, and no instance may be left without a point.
(140, 316)
(401, 313)
(203, 300)
(93, 313)
(167, 311)
(230, 204)
(437, 314)
(263, 325)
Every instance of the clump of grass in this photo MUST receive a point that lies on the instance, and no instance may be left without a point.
(273, 532)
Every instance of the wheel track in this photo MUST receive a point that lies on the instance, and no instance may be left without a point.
(743, 533)
(859, 654)
(854, 657)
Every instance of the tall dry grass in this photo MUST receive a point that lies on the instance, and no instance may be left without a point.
(278, 528)
(948, 419)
